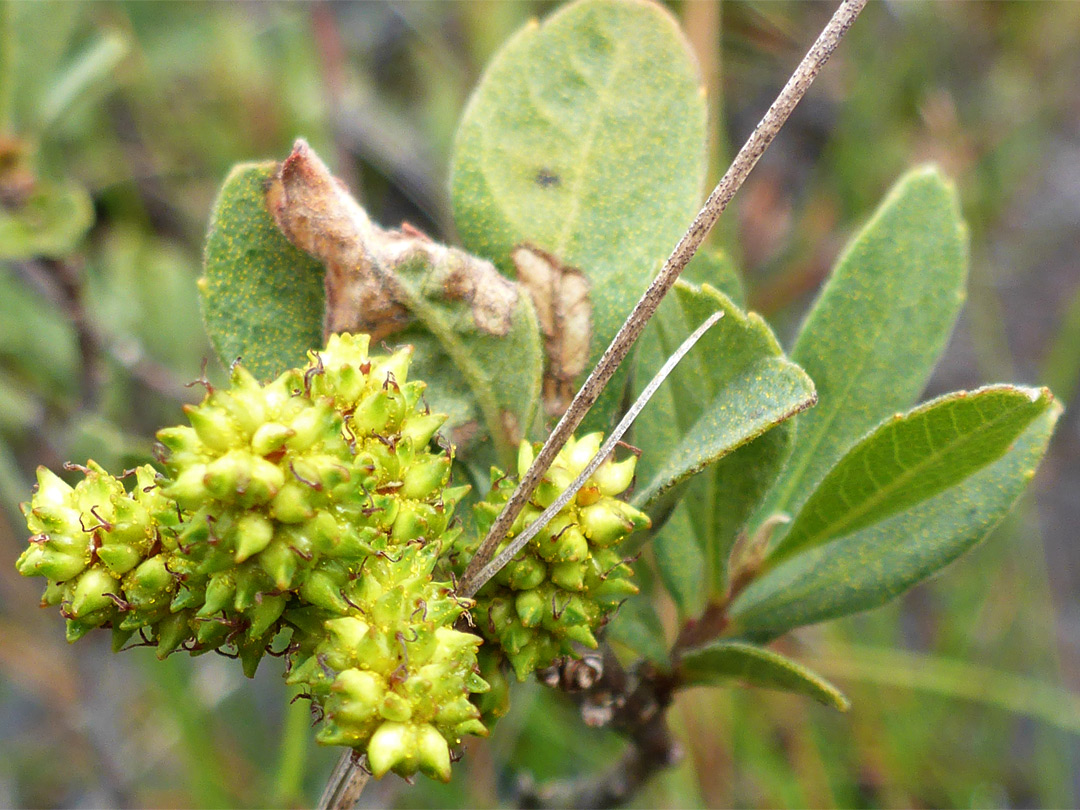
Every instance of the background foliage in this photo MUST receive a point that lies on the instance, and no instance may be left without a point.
(134, 113)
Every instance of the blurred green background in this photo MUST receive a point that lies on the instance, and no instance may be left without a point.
(129, 115)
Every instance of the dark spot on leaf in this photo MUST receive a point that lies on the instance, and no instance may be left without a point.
(546, 178)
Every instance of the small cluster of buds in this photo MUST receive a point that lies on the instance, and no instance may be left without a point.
(392, 675)
(102, 551)
(564, 586)
(307, 508)
(314, 512)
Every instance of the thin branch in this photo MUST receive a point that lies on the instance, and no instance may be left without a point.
(57, 281)
(346, 783)
(471, 586)
(621, 344)
(635, 705)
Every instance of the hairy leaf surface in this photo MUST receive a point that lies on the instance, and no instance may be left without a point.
(723, 409)
(878, 327)
(262, 298)
(910, 458)
(875, 564)
(496, 351)
(734, 386)
(585, 138)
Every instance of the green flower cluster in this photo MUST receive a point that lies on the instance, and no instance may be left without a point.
(314, 505)
(103, 551)
(315, 512)
(564, 586)
(392, 675)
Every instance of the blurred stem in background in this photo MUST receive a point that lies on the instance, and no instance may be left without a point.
(292, 758)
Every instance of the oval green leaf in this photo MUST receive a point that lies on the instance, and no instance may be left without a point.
(716, 268)
(723, 409)
(910, 458)
(585, 138)
(262, 297)
(878, 327)
(874, 565)
(737, 660)
(743, 382)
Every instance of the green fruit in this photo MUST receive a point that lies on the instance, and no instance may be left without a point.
(288, 488)
(316, 505)
(392, 677)
(563, 587)
(100, 548)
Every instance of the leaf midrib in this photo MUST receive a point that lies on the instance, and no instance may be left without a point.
(836, 528)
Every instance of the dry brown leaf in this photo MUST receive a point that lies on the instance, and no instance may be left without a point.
(320, 217)
(492, 298)
(561, 297)
(317, 213)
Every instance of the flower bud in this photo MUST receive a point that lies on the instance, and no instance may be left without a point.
(565, 584)
(90, 592)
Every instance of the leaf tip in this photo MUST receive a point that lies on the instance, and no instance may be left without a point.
(931, 177)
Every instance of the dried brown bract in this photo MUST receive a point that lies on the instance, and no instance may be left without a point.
(319, 216)
(561, 297)
(363, 294)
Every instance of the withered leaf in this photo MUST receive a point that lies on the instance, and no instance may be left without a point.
(561, 297)
(319, 216)
(454, 276)
(380, 281)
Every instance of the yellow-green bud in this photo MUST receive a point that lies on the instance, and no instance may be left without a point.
(394, 666)
(566, 583)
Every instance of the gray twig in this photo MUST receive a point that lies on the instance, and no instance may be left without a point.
(346, 783)
(621, 344)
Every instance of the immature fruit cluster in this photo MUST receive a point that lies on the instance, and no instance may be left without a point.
(392, 675)
(313, 504)
(566, 583)
(292, 485)
(102, 550)
(315, 507)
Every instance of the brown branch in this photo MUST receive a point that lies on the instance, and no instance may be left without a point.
(632, 703)
(346, 783)
(59, 282)
(621, 344)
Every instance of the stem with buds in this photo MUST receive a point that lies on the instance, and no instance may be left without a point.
(684, 251)
(348, 778)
